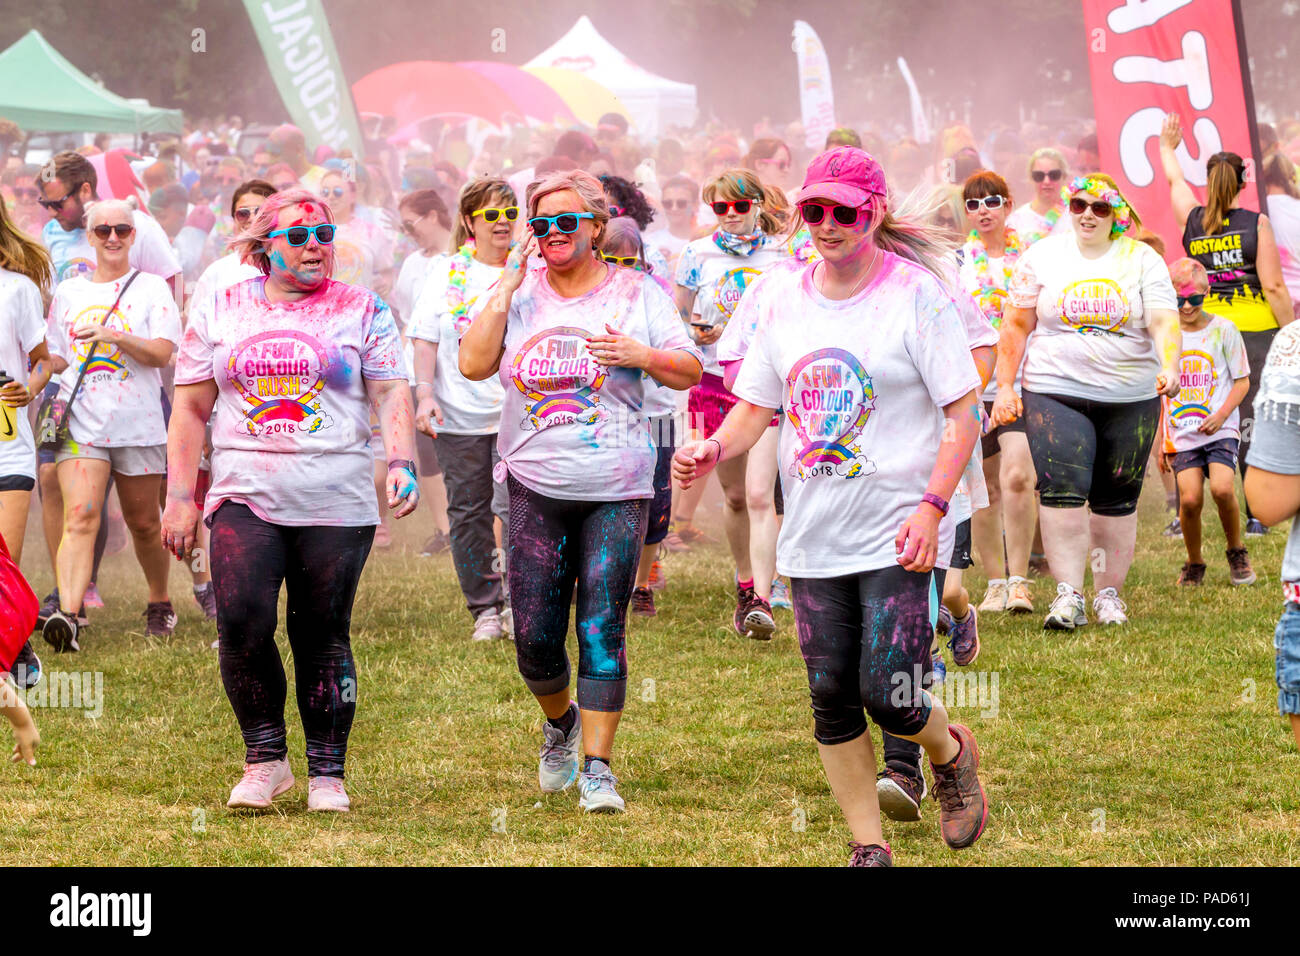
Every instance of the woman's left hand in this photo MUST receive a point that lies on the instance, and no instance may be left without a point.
(917, 542)
(1167, 383)
(94, 332)
(403, 491)
(617, 350)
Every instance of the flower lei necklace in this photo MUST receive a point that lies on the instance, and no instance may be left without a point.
(1105, 192)
(990, 293)
(456, 279)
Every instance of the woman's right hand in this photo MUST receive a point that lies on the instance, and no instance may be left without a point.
(695, 460)
(1007, 406)
(1171, 132)
(426, 413)
(517, 263)
(180, 523)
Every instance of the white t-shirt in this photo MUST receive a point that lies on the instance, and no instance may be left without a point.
(1031, 227)
(221, 274)
(669, 246)
(739, 333)
(719, 280)
(22, 328)
(1091, 340)
(410, 280)
(862, 383)
(969, 280)
(72, 255)
(468, 408)
(360, 251)
(1213, 358)
(120, 401)
(572, 428)
(1284, 216)
(291, 424)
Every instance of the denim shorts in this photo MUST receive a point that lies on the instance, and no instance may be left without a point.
(1286, 641)
(1224, 451)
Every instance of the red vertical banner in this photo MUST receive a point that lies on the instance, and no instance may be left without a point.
(1152, 57)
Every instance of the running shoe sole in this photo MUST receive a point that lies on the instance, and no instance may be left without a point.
(1244, 581)
(1055, 624)
(602, 803)
(60, 634)
(896, 804)
(758, 626)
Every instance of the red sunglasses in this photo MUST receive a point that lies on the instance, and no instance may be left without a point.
(742, 206)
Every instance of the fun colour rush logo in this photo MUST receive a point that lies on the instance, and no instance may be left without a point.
(280, 375)
(559, 378)
(829, 399)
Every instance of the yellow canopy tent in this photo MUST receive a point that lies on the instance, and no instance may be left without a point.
(585, 97)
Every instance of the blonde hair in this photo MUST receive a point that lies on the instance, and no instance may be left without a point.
(591, 195)
(21, 253)
(1047, 152)
(737, 183)
(97, 210)
(1280, 172)
(910, 233)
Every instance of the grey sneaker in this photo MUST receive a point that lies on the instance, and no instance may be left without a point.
(60, 632)
(597, 790)
(487, 627)
(1066, 612)
(558, 767)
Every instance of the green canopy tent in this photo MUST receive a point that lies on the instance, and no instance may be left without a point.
(41, 91)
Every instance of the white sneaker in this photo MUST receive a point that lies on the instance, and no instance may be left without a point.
(327, 793)
(1109, 608)
(995, 598)
(597, 791)
(487, 626)
(261, 783)
(1066, 612)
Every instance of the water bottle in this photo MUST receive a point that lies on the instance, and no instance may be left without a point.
(8, 416)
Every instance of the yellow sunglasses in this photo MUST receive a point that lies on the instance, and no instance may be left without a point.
(630, 261)
(492, 214)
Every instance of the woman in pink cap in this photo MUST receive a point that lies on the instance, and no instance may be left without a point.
(866, 354)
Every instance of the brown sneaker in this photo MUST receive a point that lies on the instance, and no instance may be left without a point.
(160, 619)
(963, 809)
(1192, 574)
(643, 602)
(900, 795)
(1239, 568)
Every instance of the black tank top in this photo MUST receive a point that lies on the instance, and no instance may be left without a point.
(1229, 258)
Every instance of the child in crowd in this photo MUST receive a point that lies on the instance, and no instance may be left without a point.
(14, 708)
(1201, 427)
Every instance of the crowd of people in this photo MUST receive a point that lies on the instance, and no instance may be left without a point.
(963, 354)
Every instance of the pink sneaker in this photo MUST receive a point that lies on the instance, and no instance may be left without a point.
(261, 783)
(92, 598)
(327, 793)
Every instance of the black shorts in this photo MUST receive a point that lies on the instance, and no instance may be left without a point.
(16, 483)
(1224, 451)
(1088, 452)
(961, 559)
(989, 443)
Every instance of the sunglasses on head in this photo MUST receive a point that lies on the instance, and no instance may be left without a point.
(813, 213)
(629, 261)
(1039, 175)
(676, 203)
(298, 235)
(991, 202)
(1193, 300)
(742, 206)
(1099, 209)
(492, 213)
(565, 222)
(123, 229)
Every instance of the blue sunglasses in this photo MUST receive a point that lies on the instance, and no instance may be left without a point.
(566, 222)
(298, 235)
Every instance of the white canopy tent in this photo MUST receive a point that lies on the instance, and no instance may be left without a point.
(652, 101)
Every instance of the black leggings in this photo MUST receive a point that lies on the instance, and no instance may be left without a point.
(865, 639)
(320, 567)
(1088, 452)
(553, 543)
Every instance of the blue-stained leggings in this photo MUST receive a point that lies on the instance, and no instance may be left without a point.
(320, 568)
(555, 544)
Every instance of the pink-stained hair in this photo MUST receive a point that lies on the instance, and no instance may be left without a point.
(1189, 272)
(249, 242)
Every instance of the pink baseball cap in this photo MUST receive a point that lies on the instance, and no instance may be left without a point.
(846, 175)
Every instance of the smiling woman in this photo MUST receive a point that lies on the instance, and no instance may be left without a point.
(286, 366)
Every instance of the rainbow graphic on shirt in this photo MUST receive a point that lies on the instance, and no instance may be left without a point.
(730, 288)
(559, 378)
(829, 397)
(108, 359)
(280, 376)
(1094, 307)
(1196, 379)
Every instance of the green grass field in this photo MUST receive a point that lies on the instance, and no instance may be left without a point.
(1154, 744)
